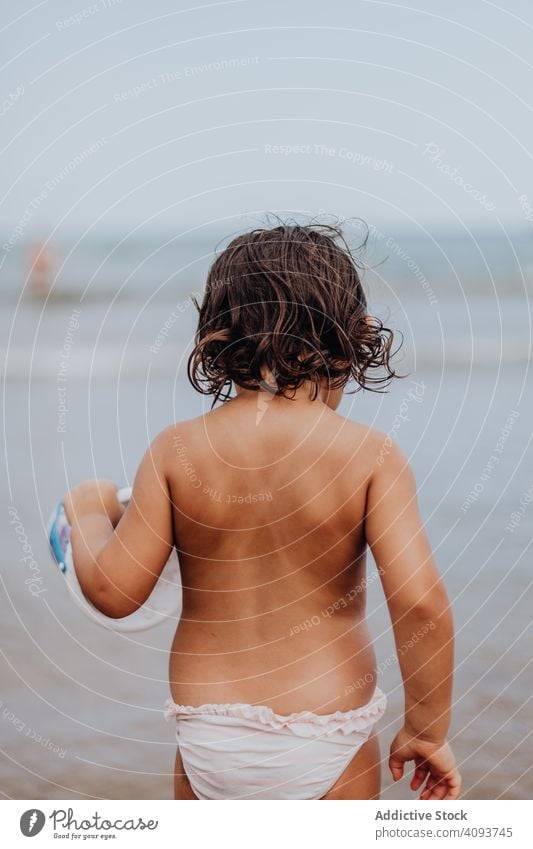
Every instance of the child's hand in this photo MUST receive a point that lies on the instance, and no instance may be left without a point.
(96, 496)
(434, 761)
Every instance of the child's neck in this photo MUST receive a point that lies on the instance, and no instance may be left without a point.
(303, 395)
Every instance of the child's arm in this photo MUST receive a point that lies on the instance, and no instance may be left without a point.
(120, 552)
(422, 622)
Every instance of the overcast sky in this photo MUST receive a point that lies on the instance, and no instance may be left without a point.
(178, 114)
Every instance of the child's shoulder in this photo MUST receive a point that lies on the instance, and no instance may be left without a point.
(380, 450)
(386, 450)
(180, 432)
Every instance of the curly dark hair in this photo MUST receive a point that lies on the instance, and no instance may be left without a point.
(290, 300)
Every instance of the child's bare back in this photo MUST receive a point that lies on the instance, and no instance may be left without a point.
(268, 517)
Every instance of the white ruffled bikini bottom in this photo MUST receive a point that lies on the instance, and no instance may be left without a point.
(239, 751)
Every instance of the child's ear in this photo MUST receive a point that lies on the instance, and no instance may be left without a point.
(332, 397)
